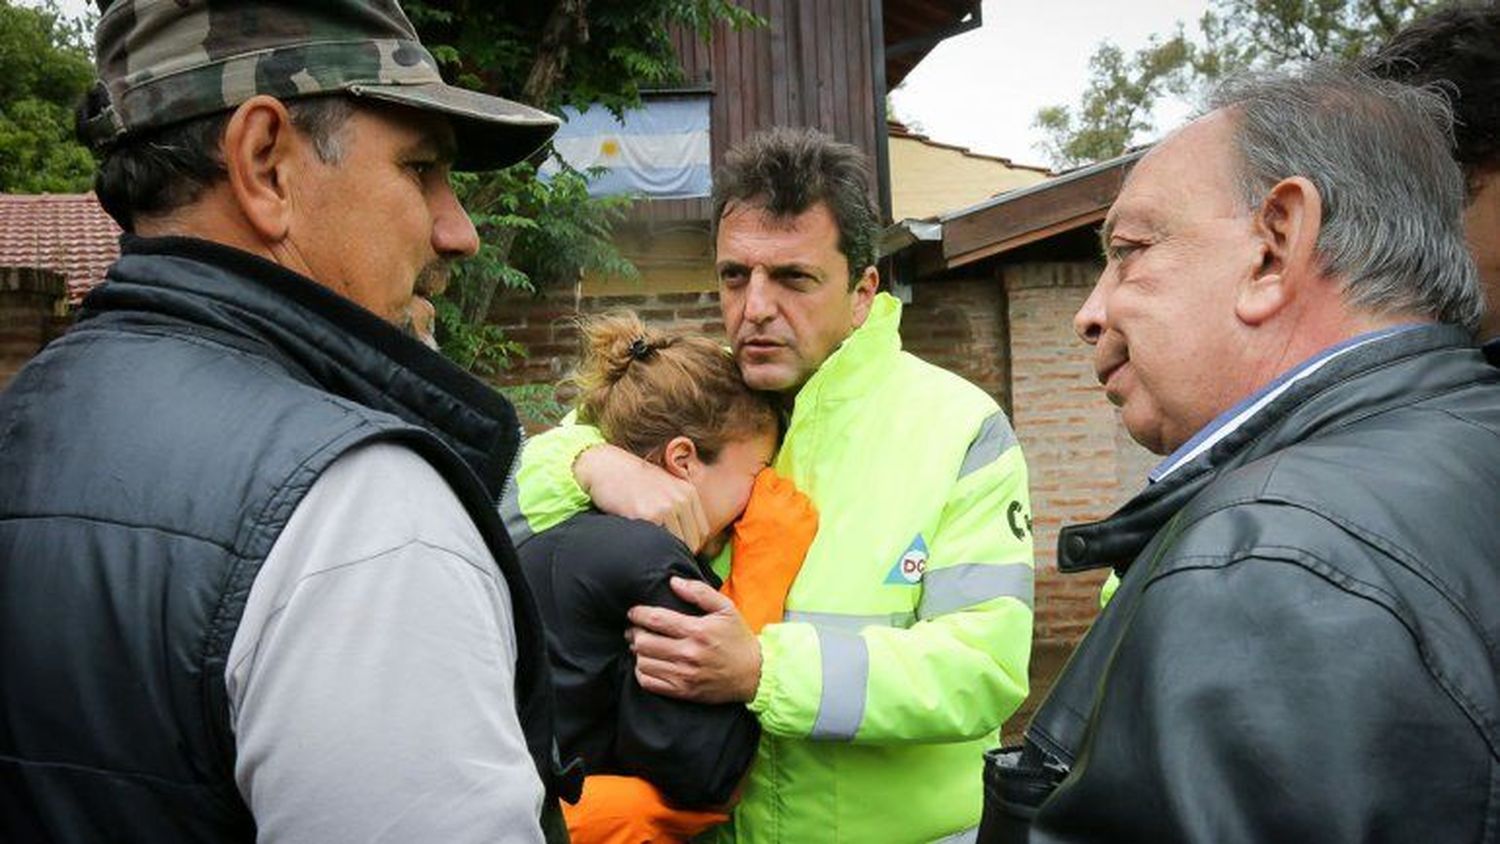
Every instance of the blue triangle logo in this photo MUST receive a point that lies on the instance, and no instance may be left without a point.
(909, 569)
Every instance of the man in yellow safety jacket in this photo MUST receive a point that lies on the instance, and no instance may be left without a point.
(907, 633)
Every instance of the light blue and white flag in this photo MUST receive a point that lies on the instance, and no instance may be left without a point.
(660, 150)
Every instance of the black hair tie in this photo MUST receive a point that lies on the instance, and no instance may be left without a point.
(640, 349)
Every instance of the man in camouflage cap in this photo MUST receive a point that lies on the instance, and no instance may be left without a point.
(253, 585)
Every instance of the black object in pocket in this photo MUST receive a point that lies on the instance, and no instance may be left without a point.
(1016, 782)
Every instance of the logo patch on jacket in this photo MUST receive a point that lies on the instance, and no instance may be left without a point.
(909, 569)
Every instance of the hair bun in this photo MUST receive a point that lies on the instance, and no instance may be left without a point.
(640, 349)
(642, 387)
(611, 343)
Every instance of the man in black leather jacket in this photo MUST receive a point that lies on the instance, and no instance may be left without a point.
(1303, 646)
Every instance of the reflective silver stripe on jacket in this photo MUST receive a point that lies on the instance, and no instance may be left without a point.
(994, 437)
(846, 658)
(967, 836)
(846, 675)
(953, 588)
(849, 621)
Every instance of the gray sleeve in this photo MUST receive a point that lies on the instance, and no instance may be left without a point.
(371, 680)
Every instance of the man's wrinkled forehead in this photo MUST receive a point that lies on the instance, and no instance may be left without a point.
(1112, 216)
(1193, 169)
(757, 209)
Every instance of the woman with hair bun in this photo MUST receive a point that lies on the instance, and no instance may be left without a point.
(661, 769)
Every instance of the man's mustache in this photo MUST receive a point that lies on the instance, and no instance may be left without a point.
(433, 279)
(418, 319)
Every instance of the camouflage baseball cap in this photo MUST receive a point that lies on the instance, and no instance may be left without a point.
(165, 61)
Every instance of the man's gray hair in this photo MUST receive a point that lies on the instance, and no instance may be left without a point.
(1378, 153)
(159, 172)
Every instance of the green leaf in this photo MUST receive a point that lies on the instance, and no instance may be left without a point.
(44, 70)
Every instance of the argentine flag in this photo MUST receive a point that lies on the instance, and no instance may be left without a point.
(660, 150)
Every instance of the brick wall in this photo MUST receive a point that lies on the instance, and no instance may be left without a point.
(1082, 464)
(547, 325)
(676, 289)
(961, 326)
(28, 306)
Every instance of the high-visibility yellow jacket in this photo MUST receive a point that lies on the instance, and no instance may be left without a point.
(907, 633)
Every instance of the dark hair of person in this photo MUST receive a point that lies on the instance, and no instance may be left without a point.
(1457, 50)
(159, 172)
(642, 387)
(786, 171)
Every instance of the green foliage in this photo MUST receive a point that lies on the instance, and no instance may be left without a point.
(1259, 33)
(612, 48)
(44, 71)
(534, 233)
(536, 404)
(1233, 35)
(480, 348)
(569, 231)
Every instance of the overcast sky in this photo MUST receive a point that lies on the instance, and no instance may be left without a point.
(73, 8)
(982, 89)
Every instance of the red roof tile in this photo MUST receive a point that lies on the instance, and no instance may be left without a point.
(66, 233)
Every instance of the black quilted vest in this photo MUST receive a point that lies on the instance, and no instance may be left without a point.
(148, 461)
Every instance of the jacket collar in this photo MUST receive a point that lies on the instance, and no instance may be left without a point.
(321, 338)
(861, 359)
(1345, 386)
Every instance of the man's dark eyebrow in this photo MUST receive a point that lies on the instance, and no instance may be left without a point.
(794, 269)
(774, 271)
(440, 146)
(1146, 219)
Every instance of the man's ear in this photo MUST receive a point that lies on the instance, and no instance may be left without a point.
(1287, 226)
(680, 457)
(259, 153)
(864, 294)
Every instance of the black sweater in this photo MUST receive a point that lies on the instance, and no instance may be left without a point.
(587, 573)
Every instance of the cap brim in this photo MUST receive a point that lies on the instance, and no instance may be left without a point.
(492, 132)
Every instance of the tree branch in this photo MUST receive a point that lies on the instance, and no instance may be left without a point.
(567, 26)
